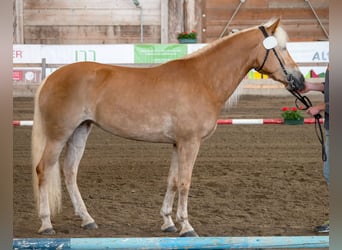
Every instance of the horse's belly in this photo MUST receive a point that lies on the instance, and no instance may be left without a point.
(137, 129)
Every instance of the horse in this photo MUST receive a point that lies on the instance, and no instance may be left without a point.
(177, 102)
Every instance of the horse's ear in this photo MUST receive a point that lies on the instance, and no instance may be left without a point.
(272, 25)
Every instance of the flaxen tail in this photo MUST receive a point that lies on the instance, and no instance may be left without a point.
(51, 178)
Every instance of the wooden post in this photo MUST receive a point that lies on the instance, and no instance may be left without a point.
(18, 22)
(43, 68)
(193, 10)
(175, 19)
(164, 21)
(189, 15)
(200, 20)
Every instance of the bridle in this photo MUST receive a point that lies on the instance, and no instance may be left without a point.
(290, 78)
(293, 89)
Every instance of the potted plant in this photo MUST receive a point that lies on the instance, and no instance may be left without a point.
(185, 37)
(292, 116)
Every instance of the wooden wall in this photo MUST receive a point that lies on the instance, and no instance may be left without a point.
(118, 21)
(89, 21)
(297, 17)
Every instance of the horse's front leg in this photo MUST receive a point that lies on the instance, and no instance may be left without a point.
(187, 153)
(172, 181)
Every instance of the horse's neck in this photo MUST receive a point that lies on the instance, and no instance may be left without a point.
(225, 65)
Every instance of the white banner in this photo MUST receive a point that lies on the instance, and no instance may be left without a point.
(27, 53)
(302, 52)
(313, 52)
(65, 54)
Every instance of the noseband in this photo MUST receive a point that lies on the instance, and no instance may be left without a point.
(294, 91)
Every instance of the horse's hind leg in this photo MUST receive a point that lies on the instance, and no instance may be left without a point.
(166, 209)
(49, 186)
(74, 151)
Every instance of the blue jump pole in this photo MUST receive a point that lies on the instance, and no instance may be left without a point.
(172, 243)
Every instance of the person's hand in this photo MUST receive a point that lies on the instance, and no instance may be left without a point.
(314, 110)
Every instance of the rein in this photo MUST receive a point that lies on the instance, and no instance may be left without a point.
(318, 127)
(293, 90)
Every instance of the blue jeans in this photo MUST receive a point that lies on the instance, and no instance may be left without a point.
(326, 169)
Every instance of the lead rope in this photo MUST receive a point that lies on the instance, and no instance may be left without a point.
(318, 127)
(303, 99)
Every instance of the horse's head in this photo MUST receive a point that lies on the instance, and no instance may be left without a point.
(273, 58)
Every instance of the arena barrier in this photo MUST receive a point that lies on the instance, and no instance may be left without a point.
(268, 242)
(220, 121)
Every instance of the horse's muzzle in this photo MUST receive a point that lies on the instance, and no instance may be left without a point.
(295, 83)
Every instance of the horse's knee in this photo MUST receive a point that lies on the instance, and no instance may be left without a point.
(183, 187)
(173, 185)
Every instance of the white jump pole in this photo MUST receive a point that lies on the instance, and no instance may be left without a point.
(220, 121)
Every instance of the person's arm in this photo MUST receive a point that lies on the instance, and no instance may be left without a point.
(309, 86)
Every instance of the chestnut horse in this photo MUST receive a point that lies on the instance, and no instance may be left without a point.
(177, 102)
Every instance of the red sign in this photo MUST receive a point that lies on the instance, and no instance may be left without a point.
(17, 75)
(26, 75)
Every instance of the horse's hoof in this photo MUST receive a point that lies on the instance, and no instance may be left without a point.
(189, 234)
(170, 229)
(90, 226)
(48, 231)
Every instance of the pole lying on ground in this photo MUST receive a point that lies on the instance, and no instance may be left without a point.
(268, 242)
